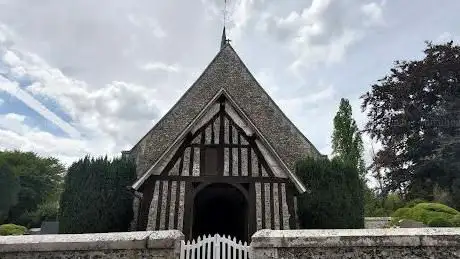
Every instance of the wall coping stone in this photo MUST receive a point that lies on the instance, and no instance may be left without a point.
(407, 237)
(96, 241)
(377, 218)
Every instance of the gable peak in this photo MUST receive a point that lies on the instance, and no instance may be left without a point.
(224, 41)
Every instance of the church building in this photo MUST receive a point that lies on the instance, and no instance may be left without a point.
(221, 160)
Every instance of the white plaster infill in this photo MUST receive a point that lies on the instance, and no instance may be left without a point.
(168, 239)
(393, 237)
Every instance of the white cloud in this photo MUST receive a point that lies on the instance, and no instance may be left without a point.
(322, 95)
(447, 36)
(266, 80)
(239, 14)
(13, 122)
(14, 90)
(110, 118)
(374, 13)
(240, 17)
(322, 32)
(16, 135)
(152, 66)
(148, 22)
(297, 103)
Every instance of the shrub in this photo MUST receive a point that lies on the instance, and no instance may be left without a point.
(439, 222)
(12, 229)
(27, 219)
(47, 212)
(95, 196)
(426, 213)
(335, 198)
(400, 212)
(392, 202)
(456, 221)
(414, 202)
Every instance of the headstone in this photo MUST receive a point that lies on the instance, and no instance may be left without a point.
(49, 227)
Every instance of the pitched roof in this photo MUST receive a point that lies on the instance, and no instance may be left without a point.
(226, 71)
(238, 116)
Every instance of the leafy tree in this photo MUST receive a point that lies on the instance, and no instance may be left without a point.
(9, 189)
(347, 143)
(335, 197)
(40, 180)
(95, 196)
(414, 112)
(372, 204)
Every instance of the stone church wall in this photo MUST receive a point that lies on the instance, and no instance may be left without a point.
(267, 244)
(357, 243)
(147, 244)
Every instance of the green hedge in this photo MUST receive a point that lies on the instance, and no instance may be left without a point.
(431, 214)
(335, 197)
(96, 198)
(439, 222)
(12, 230)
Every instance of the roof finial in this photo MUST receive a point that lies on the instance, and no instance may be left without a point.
(224, 39)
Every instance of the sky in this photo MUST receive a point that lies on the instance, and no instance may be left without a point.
(92, 77)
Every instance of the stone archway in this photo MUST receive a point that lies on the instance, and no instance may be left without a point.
(220, 208)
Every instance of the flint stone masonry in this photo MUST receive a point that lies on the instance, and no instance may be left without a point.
(376, 222)
(357, 243)
(146, 244)
(226, 71)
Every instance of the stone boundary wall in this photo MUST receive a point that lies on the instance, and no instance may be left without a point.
(376, 222)
(146, 244)
(357, 243)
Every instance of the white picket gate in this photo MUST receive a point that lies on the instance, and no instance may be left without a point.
(214, 247)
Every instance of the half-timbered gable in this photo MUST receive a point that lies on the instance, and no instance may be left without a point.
(221, 160)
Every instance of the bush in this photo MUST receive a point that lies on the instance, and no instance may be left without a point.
(414, 202)
(335, 198)
(27, 219)
(47, 212)
(428, 212)
(456, 221)
(400, 212)
(439, 222)
(96, 198)
(12, 230)
(392, 202)
(424, 212)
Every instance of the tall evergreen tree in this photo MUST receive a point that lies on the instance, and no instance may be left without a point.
(9, 189)
(95, 196)
(335, 197)
(347, 143)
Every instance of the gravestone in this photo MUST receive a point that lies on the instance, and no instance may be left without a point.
(49, 227)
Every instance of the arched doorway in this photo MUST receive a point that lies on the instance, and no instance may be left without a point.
(222, 209)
